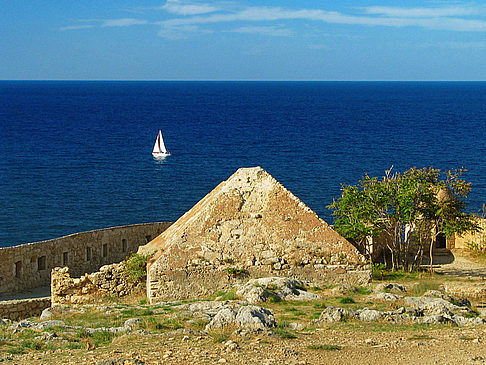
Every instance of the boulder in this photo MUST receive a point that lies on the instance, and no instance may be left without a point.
(390, 288)
(335, 314)
(368, 315)
(248, 317)
(343, 289)
(391, 297)
(132, 322)
(432, 306)
(255, 317)
(225, 317)
(46, 314)
(259, 290)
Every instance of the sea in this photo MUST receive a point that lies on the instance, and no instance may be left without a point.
(76, 155)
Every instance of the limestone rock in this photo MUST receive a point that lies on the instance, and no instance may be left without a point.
(248, 317)
(391, 297)
(259, 290)
(335, 314)
(368, 315)
(46, 314)
(225, 317)
(132, 322)
(343, 289)
(390, 288)
(432, 306)
(255, 317)
(249, 226)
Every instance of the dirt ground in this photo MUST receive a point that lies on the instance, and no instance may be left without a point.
(351, 342)
(348, 344)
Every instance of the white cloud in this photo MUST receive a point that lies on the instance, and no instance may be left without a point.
(180, 8)
(124, 22)
(180, 32)
(420, 12)
(190, 16)
(264, 30)
(74, 27)
(457, 45)
(254, 14)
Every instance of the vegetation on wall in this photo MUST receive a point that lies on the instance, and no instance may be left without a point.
(406, 211)
(135, 266)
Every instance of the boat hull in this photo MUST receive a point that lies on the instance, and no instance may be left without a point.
(160, 154)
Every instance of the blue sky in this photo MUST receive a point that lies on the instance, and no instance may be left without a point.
(242, 40)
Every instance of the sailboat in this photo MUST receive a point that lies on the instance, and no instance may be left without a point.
(159, 150)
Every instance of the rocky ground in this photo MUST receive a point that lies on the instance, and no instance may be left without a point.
(268, 321)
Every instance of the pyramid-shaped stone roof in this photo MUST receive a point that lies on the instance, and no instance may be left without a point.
(249, 224)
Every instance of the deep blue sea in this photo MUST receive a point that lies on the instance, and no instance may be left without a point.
(76, 156)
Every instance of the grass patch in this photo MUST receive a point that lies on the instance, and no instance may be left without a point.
(314, 315)
(225, 295)
(424, 286)
(235, 272)
(363, 291)
(274, 298)
(324, 347)
(283, 333)
(347, 300)
(420, 337)
(220, 336)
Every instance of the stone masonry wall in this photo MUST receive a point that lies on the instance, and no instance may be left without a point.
(111, 281)
(29, 265)
(17, 310)
(469, 240)
(205, 278)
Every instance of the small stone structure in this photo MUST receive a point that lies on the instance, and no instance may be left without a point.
(17, 310)
(472, 240)
(110, 280)
(249, 226)
(29, 265)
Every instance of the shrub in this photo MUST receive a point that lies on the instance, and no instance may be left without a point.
(234, 271)
(324, 347)
(347, 300)
(135, 266)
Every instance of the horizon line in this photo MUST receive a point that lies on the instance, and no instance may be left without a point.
(221, 80)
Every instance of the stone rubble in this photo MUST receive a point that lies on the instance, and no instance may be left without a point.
(259, 290)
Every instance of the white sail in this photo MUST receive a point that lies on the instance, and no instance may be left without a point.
(161, 143)
(159, 147)
(157, 144)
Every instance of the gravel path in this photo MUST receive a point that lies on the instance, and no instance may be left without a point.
(463, 266)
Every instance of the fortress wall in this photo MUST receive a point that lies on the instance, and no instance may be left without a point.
(470, 240)
(29, 265)
(17, 310)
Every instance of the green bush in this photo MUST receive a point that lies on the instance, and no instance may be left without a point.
(324, 347)
(135, 267)
(234, 271)
(347, 300)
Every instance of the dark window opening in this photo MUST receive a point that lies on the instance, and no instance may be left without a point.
(88, 253)
(41, 263)
(105, 250)
(441, 241)
(124, 245)
(148, 239)
(18, 269)
(65, 258)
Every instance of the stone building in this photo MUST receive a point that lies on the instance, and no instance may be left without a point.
(249, 226)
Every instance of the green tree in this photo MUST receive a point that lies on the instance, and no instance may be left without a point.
(398, 204)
